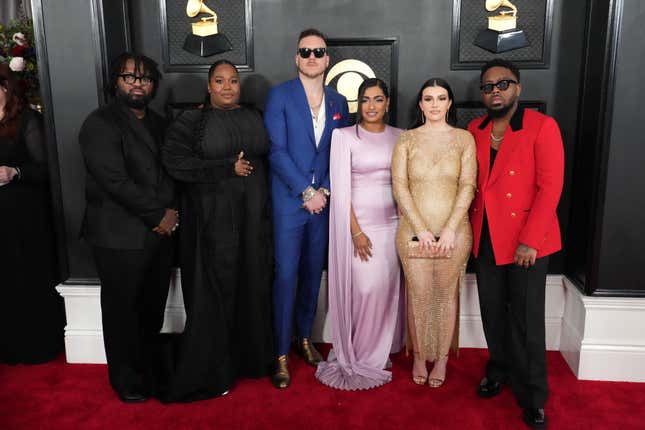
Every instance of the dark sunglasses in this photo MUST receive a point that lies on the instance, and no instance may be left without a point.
(501, 85)
(306, 52)
(130, 79)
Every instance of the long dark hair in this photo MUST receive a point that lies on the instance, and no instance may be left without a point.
(211, 70)
(15, 102)
(419, 119)
(368, 83)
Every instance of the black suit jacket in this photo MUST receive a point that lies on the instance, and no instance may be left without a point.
(127, 189)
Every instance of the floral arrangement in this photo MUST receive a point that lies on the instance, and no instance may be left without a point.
(17, 50)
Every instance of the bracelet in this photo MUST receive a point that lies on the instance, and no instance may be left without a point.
(357, 234)
(308, 194)
(18, 172)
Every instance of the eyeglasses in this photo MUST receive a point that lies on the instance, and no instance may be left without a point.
(130, 79)
(501, 85)
(306, 52)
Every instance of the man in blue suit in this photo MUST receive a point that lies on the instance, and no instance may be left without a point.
(299, 116)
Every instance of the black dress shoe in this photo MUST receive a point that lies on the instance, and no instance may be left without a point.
(534, 418)
(132, 397)
(488, 388)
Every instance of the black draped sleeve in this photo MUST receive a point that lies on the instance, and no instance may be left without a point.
(34, 170)
(183, 157)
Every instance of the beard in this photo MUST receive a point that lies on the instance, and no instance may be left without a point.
(133, 102)
(501, 111)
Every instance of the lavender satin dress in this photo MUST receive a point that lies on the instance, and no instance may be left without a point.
(366, 301)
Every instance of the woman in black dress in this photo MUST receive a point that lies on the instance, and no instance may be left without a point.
(218, 155)
(32, 318)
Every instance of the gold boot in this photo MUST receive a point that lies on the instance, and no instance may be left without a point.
(307, 351)
(281, 378)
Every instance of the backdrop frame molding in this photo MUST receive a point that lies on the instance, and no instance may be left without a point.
(544, 63)
(393, 42)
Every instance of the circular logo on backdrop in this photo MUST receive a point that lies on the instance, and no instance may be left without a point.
(346, 76)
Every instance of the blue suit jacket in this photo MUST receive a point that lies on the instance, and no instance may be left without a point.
(294, 158)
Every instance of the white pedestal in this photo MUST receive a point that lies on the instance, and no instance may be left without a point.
(603, 338)
(84, 331)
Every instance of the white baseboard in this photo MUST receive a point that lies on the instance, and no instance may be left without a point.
(84, 341)
(603, 337)
(471, 332)
(84, 346)
(600, 338)
(84, 330)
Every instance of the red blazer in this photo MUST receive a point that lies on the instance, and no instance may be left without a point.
(522, 191)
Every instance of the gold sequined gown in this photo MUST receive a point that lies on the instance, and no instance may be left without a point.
(434, 175)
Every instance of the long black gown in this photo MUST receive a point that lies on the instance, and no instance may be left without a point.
(32, 318)
(225, 251)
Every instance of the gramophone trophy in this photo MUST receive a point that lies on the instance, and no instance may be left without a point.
(204, 40)
(502, 34)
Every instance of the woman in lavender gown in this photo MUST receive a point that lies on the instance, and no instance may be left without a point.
(365, 296)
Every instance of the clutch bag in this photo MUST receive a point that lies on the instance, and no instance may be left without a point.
(415, 251)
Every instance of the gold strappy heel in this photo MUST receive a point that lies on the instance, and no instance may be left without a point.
(438, 382)
(418, 379)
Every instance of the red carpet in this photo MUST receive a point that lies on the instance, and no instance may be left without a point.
(61, 396)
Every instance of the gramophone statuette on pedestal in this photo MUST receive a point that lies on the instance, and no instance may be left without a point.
(502, 34)
(205, 39)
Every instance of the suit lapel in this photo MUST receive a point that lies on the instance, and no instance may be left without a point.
(303, 107)
(510, 144)
(483, 152)
(137, 128)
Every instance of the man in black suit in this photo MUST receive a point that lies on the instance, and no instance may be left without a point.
(129, 220)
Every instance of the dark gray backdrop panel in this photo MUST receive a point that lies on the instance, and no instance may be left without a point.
(422, 27)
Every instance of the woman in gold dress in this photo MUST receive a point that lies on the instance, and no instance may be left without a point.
(434, 168)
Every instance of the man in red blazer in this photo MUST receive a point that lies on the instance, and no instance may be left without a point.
(515, 229)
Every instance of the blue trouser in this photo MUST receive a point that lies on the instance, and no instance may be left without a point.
(300, 251)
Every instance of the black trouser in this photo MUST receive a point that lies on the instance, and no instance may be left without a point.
(511, 299)
(134, 289)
